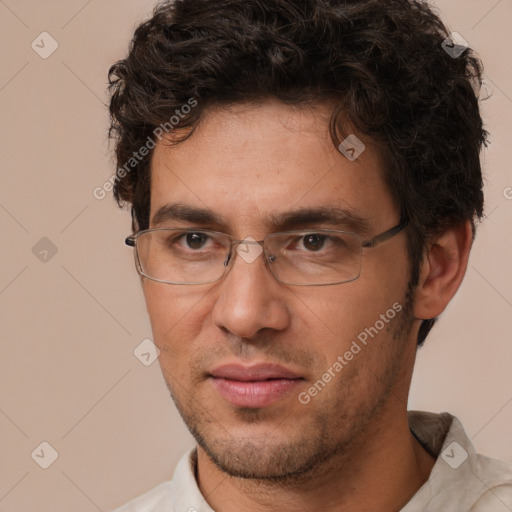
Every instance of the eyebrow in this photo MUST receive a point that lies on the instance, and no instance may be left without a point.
(334, 217)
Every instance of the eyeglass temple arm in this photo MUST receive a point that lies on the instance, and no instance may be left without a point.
(386, 235)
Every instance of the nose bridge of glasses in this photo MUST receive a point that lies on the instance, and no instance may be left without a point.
(249, 240)
(248, 249)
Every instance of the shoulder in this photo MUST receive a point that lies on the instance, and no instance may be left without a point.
(181, 493)
(461, 478)
(494, 477)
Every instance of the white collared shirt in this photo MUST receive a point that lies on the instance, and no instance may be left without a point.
(460, 481)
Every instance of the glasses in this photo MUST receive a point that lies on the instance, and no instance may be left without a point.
(301, 258)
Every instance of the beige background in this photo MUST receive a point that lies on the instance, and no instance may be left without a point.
(68, 375)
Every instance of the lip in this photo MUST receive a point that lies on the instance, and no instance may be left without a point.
(256, 372)
(254, 386)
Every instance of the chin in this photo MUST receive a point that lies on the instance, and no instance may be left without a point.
(263, 452)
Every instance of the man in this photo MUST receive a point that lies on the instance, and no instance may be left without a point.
(304, 179)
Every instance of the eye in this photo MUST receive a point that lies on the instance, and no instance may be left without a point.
(314, 241)
(195, 240)
(317, 243)
(192, 241)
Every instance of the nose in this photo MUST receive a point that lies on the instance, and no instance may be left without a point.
(249, 298)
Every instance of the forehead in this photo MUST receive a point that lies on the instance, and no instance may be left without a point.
(249, 164)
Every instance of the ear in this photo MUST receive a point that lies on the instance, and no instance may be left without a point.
(443, 267)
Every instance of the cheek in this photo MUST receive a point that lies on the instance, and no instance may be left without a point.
(339, 311)
(176, 316)
(365, 310)
(387, 267)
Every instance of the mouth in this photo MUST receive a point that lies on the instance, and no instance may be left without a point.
(254, 386)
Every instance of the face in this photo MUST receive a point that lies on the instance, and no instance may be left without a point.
(274, 379)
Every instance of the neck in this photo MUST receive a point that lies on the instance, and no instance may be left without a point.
(382, 471)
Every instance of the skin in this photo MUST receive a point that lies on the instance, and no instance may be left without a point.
(349, 448)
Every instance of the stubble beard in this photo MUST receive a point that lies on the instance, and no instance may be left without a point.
(317, 447)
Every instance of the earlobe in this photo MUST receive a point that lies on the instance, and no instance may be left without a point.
(443, 268)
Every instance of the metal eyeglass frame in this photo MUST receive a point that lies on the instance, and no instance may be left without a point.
(131, 241)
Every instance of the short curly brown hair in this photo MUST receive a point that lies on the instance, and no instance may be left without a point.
(385, 65)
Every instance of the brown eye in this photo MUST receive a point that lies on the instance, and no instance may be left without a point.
(314, 242)
(196, 240)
